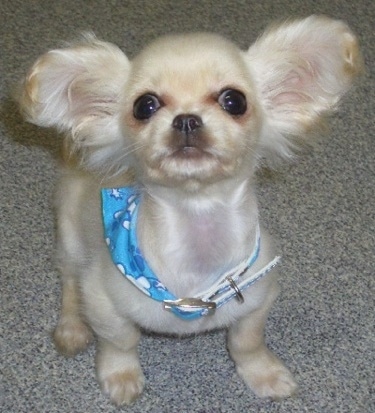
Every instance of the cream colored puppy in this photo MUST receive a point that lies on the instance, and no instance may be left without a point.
(176, 135)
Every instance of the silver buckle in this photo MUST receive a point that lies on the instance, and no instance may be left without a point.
(191, 303)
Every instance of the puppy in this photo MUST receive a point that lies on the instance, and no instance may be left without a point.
(172, 244)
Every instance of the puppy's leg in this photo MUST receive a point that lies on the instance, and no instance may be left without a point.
(71, 335)
(261, 370)
(118, 369)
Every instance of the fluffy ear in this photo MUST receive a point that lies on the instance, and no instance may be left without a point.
(301, 68)
(78, 89)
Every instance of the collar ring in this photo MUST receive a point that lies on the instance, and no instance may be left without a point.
(234, 286)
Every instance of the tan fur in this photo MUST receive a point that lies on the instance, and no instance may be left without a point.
(198, 214)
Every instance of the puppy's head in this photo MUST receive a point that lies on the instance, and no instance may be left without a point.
(193, 108)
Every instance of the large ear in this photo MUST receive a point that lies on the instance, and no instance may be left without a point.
(78, 89)
(301, 68)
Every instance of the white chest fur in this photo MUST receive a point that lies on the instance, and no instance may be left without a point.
(190, 242)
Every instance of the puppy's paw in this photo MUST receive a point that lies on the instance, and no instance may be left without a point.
(123, 387)
(72, 336)
(276, 383)
(268, 377)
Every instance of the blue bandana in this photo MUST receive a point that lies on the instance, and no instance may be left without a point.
(120, 211)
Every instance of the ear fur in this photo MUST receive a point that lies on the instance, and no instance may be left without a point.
(301, 68)
(78, 89)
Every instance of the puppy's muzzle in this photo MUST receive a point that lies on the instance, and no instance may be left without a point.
(188, 135)
(187, 123)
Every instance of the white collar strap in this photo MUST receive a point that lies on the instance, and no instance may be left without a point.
(120, 211)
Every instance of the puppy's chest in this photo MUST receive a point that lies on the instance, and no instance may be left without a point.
(206, 239)
(201, 248)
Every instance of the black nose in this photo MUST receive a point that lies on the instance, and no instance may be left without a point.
(187, 123)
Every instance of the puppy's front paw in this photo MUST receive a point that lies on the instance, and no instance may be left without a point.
(119, 371)
(276, 383)
(72, 336)
(123, 387)
(267, 376)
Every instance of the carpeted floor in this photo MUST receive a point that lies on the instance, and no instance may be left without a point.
(321, 210)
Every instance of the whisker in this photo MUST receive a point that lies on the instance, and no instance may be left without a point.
(251, 149)
(115, 165)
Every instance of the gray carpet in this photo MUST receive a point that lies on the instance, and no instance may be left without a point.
(321, 210)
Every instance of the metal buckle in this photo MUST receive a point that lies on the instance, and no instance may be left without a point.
(191, 303)
(233, 285)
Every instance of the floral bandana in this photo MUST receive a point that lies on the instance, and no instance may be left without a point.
(120, 211)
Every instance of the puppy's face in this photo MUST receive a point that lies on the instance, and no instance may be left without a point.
(190, 110)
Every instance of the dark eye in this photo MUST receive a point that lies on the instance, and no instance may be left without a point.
(145, 106)
(233, 102)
